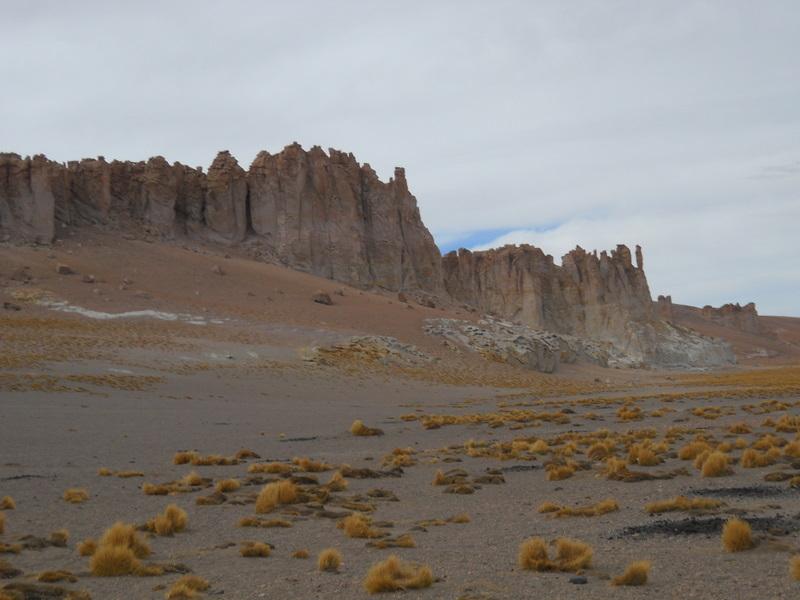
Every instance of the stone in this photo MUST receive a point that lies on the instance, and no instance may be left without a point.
(217, 270)
(63, 269)
(401, 297)
(743, 318)
(88, 279)
(578, 580)
(11, 306)
(321, 297)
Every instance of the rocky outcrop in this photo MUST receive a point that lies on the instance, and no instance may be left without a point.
(664, 309)
(316, 212)
(588, 295)
(743, 318)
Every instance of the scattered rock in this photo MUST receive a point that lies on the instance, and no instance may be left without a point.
(11, 306)
(88, 279)
(579, 580)
(321, 297)
(401, 297)
(339, 292)
(217, 270)
(63, 269)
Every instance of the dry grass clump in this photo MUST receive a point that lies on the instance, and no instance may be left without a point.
(173, 520)
(752, 458)
(337, 482)
(682, 503)
(274, 494)
(792, 449)
(716, 465)
(183, 458)
(358, 428)
(558, 472)
(2, 522)
(600, 450)
(213, 460)
(358, 526)
(740, 428)
(301, 553)
(329, 560)
(311, 466)
(459, 518)
(227, 485)
(59, 538)
(400, 457)
(191, 479)
(187, 587)
(635, 574)
(156, 489)
(393, 575)
(246, 453)
(255, 549)
(129, 474)
(401, 541)
(87, 547)
(571, 555)
(105, 472)
(275, 468)
(644, 454)
(256, 522)
(693, 449)
(736, 535)
(56, 576)
(76, 495)
(124, 535)
(7, 503)
(114, 561)
(794, 567)
(593, 510)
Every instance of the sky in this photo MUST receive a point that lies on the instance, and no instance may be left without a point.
(670, 124)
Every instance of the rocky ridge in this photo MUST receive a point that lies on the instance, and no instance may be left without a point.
(328, 215)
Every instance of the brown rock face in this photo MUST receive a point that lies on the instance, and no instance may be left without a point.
(588, 295)
(316, 212)
(27, 204)
(744, 318)
(664, 308)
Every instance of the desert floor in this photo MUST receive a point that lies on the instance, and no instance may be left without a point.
(78, 394)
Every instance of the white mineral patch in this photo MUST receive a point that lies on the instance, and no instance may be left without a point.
(131, 314)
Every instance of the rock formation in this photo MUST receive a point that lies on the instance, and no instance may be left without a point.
(316, 212)
(664, 309)
(743, 318)
(331, 216)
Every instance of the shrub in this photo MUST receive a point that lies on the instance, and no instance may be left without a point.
(393, 574)
(682, 503)
(329, 560)
(87, 547)
(255, 549)
(76, 495)
(715, 465)
(173, 520)
(228, 485)
(358, 428)
(7, 503)
(635, 574)
(737, 535)
(274, 494)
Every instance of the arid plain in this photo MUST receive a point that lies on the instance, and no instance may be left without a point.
(233, 396)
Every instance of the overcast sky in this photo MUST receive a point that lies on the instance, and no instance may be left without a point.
(675, 125)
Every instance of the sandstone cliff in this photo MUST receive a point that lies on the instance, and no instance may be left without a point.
(317, 212)
(743, 318)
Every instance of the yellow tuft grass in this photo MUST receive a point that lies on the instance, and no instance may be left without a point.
(105, 472)
(173, 520)
(635, 574)
(693, 449)
(183, 458)
(559, 472)
(274, 494)
(56, 576)
(76, 495)
(571, 555)
(156, 489)
(2, 522)
(393, 575)
(87, 547)
(192, 479)
(272, 467)
(460, 518)
(256, 522)
(716, 465)
(337, 482)
(329, 560)
(358, 428)
(129, 474)
(593, 510)
(124, 535)
(794, 567)
(227, 485)
(187, 587)
(114, 561)
(682, 503)
(752, 458)
(737, 535)
(358, 526)
(59, 538)
(301, 553)
(7, 503)
(310, 466)
(254, 549)
(246, 453)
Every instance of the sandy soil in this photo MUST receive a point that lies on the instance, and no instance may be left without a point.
(78, 394)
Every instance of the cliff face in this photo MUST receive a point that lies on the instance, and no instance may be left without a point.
(743, 318)
(317, 212)
(589, 295)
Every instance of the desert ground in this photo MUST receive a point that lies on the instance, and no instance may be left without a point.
(231, 372)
